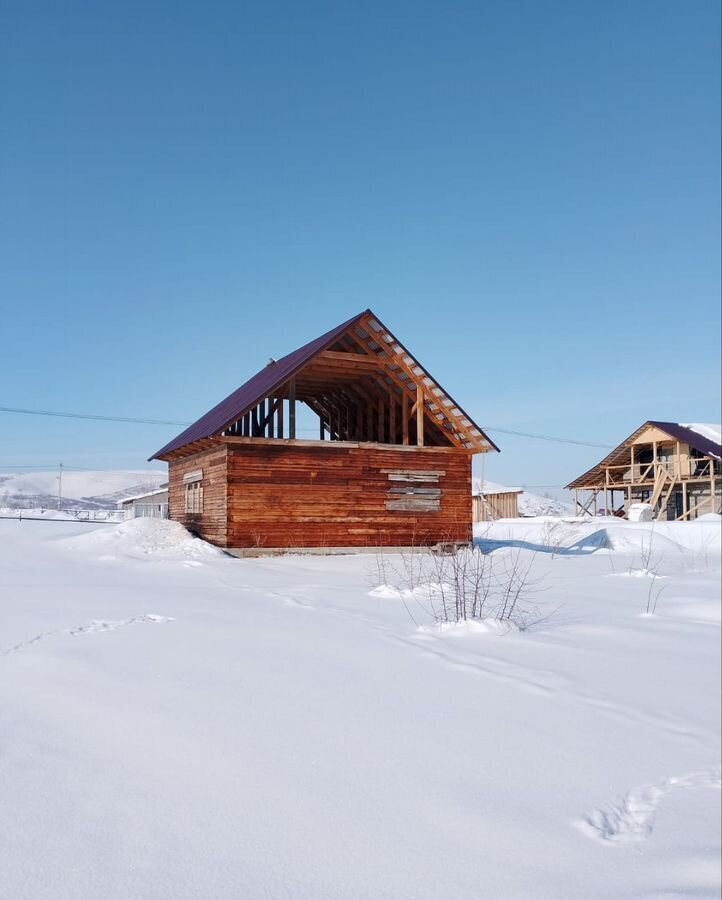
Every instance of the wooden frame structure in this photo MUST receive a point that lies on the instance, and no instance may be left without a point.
(672, 467)
(391, 465)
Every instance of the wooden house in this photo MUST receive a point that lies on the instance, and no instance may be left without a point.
(391, 465)
(492, 502)
(674, 468)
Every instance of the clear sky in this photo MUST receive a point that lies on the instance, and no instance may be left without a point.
(527, 193)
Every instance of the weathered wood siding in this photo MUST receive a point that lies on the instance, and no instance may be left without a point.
(212, 523)
(294, 496)
(488, 507)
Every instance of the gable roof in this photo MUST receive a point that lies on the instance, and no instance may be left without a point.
(619, 455)
(269, 379)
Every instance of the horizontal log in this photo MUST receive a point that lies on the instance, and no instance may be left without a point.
(414, 505)
(414, 472)
(431, 479)
(416, 491)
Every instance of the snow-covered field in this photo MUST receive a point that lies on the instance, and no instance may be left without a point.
(178, 724)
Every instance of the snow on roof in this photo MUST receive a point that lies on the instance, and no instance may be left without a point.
(142, 496)
(711, 432)
(490, 487)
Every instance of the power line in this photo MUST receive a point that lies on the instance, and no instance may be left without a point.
(71, 415)
(142, 421)
(72, 468)
(548, 437)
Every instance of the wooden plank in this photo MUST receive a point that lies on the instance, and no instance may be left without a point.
(396, 448)
(292, 409)
(419, 416)
(416, 491)
(405, 418)
(347, 360)
(413, 505)
(432, 479)
(269, 416)
(420, 472)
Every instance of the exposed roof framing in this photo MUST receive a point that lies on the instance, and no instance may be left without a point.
(620, 455)
(341, 375)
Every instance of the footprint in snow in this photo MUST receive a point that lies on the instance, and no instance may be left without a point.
(631, 818)
(92, 627)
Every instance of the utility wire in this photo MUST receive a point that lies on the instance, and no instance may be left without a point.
(70, 415)
(140, 421)
(547, 437)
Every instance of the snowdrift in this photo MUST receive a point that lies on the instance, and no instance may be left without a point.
(153, 539)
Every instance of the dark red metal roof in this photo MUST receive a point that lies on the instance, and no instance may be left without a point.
(254, 390)
(693, 438)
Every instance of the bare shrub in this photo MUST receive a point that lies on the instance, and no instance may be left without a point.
(651, 559)
(457, 584)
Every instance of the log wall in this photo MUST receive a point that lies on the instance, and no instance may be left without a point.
(212, 523)
(285, 495)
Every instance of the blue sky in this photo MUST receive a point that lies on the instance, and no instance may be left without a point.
(527, 193)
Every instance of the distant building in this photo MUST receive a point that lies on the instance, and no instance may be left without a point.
(492, 501)
(152, 505)
(674, 468)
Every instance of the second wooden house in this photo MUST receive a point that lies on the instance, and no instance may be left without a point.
(674, 468)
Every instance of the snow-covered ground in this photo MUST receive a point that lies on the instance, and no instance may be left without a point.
(175, 723)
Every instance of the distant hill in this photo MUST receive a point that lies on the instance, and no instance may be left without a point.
(81, 490)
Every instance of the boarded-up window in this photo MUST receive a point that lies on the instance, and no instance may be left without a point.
(414, 491)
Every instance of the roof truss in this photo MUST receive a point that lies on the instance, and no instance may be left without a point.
(362, 383)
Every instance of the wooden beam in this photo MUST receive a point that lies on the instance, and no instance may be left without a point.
(347, 360)
(398, 359)
(319, 443)
(279, 418)
(458, 433)
(381, 420)
(292, 409)
(419, 416)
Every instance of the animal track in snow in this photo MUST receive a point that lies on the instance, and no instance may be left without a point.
(548, 682)
(91, 627)
(631, 818)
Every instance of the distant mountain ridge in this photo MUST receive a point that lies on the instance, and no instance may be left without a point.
(96, 489)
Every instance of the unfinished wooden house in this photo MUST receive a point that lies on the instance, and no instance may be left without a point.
(389, 463)
(674, 468)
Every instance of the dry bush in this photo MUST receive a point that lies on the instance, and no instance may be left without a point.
(457, 584)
